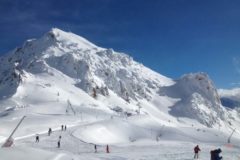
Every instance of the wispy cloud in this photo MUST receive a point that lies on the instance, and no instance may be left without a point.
(235, 84)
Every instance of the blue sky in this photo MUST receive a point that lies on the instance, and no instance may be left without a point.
(173, 37)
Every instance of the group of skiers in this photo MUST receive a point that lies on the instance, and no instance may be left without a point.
(215, 154)
(107, 148)
(63, 128)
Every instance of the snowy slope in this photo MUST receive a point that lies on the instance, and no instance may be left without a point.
(105, 96)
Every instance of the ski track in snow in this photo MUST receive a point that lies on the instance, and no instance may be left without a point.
(75, 147)
(58, 157)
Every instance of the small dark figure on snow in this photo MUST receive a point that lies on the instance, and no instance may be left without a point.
(37, 138)
(215, 154)
(58, 144)
(107, 149)
(196, 152)
(65, 127)
(95, 147)
(49, 131)
(62, 127)
(60, 137)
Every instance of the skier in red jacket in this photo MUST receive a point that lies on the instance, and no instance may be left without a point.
(196, 150)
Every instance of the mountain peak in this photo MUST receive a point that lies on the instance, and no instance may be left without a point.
(70, 39)
(57, 30)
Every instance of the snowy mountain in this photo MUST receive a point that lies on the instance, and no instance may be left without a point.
(98, 71)
(104, 96)
(93, 68)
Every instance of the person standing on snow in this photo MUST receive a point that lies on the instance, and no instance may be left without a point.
(95, 147)
(37, 138)
(49, 131)
(107, 149)
(59, 143)
(196, 152)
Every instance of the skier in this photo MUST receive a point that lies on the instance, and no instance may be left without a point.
(107, 149)
(196, 150)
(59, 143)
(62, 127)
(215, 154)
(60, 137)
(37, 138)
(49, 131)
(95, 147)
(65, 127)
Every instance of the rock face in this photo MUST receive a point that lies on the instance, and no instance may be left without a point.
(97, 71)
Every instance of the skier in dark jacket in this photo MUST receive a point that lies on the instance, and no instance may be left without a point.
(37, 138)
(215, 154)
(59, 143)
(49, 131)
(95, 147)
(196, 150)
(107, 149)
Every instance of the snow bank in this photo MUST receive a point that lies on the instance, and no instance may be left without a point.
(26, 153)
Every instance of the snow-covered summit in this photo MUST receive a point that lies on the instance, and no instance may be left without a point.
(69, 39)
(199, 99)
